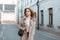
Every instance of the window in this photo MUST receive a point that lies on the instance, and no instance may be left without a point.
(9, 8)
(41, 17)
(30, 1)
(50, 16)
(1, 7)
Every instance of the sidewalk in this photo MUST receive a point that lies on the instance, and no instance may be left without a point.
(41, 35)
(50, 30)
(10, 33)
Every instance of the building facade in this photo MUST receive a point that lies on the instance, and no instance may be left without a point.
(49, 13)
(8, 12)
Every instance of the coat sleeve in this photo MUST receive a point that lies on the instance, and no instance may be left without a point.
(20, 22)
(33, 28)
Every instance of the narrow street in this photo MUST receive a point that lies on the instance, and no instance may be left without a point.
(9, 32)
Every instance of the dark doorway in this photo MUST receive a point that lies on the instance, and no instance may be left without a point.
(42, 18)
(50, 17)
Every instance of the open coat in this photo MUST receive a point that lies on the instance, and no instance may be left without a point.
(31, 30)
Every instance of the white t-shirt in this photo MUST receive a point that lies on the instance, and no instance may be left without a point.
(27, 21)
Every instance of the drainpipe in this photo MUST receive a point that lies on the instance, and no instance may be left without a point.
(38, 14)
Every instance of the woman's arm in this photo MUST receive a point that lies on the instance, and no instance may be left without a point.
(22, 25)
(33, 27)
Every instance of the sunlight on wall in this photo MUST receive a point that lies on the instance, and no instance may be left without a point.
(8, 18)
(8, 1)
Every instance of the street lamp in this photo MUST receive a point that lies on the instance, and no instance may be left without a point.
(38, 14)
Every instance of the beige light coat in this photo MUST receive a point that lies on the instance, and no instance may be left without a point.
(31, 30)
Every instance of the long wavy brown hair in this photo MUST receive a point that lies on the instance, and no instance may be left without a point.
(32, 13)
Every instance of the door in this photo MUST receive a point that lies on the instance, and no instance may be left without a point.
(50, 16)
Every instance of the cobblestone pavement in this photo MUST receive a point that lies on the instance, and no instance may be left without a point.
(9, 32)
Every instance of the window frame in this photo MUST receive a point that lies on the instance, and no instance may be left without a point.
(7, 10)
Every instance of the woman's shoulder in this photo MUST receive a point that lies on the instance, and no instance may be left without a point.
(34, 20)
(23, 16)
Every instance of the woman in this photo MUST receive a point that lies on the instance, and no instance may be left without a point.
(32, 27)
(29, 20)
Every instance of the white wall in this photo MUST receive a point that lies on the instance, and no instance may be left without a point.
(8, 1)
(10, 18)
(44, 5)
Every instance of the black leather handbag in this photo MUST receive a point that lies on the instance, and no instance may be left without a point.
(21, 32)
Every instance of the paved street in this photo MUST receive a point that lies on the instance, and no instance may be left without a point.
(9, 32)
(40, 35)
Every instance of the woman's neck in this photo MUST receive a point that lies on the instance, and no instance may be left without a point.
(28, 16)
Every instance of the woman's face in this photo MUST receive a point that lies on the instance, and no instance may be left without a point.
(28, 12)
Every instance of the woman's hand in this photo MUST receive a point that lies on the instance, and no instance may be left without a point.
(23, 28)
